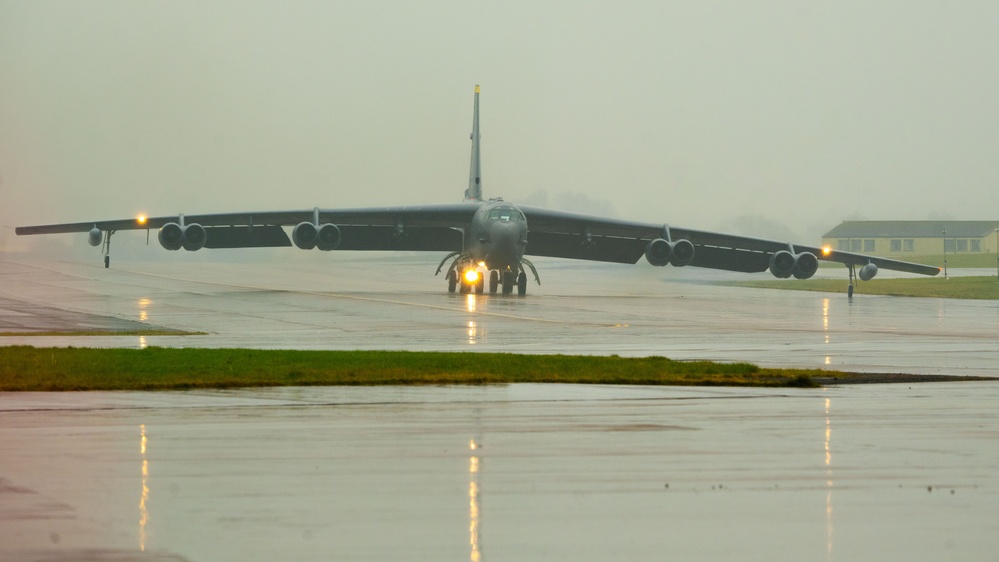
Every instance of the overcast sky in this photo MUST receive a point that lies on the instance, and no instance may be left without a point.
(758, 117)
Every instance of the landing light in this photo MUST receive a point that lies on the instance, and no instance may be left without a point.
(826, 250)
(141, 219)
(471, 276)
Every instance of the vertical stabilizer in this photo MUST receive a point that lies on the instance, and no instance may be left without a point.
(474, 191)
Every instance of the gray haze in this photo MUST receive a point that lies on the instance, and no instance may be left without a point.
(789, 116)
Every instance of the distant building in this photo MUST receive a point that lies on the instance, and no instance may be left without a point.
(913, 238)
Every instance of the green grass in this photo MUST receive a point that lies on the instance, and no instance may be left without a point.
(983, 288)
(163, 332)
(26, 368)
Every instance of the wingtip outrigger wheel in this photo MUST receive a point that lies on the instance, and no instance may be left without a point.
(853, 275)
(107, 248)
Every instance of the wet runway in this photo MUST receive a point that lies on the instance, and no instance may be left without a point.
(580, 308)
(519, 472)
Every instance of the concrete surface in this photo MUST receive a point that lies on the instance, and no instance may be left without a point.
(520, 472)
(580, 308)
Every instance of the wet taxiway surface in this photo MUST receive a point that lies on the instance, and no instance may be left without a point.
(581, 308)
(524, 472)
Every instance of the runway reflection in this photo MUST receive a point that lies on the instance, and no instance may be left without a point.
(473, 503)
(829, 485)
(144, 497)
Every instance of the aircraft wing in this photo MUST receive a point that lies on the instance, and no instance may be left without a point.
(418, 227)
(570, 235)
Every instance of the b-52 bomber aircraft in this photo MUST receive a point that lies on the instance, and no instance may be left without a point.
(486, 236)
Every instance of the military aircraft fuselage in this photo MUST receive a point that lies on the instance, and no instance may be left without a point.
(493, 238)
(497, 236)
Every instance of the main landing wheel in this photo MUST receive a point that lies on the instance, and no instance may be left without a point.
(522, 284)
(493, 281)
(452, 281)
(508, 282)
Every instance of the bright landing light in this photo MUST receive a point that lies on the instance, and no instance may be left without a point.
(471, 276)
(141, 219)
(826, 250)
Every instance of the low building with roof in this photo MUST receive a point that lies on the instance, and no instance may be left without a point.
(914, 238)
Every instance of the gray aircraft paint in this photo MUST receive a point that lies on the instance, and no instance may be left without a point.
(474, 192)
(489, 236)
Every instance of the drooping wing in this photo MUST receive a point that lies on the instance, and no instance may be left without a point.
(742, 253)
(570, 235)
(560, 234)
(426, 227)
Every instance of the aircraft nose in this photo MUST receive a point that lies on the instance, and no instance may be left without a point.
(504, 233)
(504, 238)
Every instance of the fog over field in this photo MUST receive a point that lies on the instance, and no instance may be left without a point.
(770, 118)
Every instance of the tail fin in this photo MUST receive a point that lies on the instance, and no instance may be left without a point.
(474, 191)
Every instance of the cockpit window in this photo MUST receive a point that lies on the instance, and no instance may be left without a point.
(505, 214)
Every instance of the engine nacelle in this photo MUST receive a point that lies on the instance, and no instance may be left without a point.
(683, 253)
(658, 252)
(867, 272)
(304, 235)
(805, 265)
(328, 237)
(782, 264)
(307, 236)
(191, 237)
(94, 236)
(171, 236)
(195, 236)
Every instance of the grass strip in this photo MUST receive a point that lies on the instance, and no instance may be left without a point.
(27, 368)
(982, 288)
(61, 333)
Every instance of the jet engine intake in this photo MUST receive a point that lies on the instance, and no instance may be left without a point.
(307, 236)
(94, 236)
(328, 237)
(805, 265)
(867, 272)
(782, 264)
(171, 236)
(194, 237)
(304, 235)
(658, 252)
(683, 253)
(191, 237)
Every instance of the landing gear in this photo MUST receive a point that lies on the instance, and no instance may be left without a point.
(465, 283)
(107, 248)
(853, 277)
(465, 276)
(508, 281)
